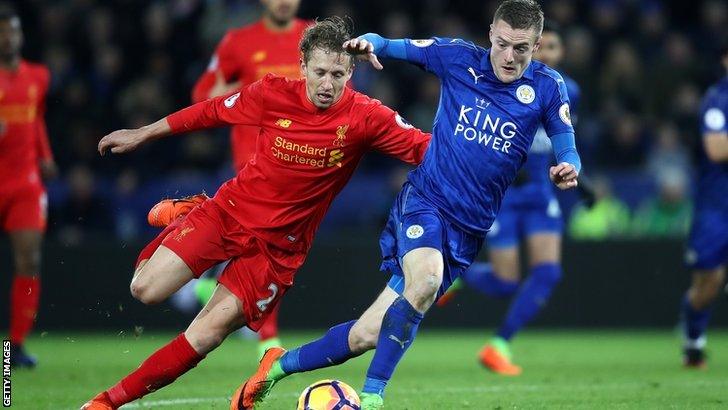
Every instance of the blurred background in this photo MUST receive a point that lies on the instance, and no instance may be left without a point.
(642, 66)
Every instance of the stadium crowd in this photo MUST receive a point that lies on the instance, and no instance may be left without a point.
(123, 63)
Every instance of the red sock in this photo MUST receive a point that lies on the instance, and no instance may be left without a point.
(270, 326)
(159, 370)
(24, 296)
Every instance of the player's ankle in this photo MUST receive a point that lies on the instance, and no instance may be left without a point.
(276, 372)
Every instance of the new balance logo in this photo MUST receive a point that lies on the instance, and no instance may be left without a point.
(401, 343)
(475, 76)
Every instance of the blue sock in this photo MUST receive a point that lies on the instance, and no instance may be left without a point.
(532, 297)
(696, 322)
(329, 350)
(399, 327)
(480, 276)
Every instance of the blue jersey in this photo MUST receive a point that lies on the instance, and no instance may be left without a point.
(712, 190)
(483, 128)
(535, 187)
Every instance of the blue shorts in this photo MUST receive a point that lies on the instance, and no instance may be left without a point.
(708, 243)
(516, 221)
(415, 223)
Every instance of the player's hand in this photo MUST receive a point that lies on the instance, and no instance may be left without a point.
(221, 86)
(563, 175)
(48, 169)
(363, 50)
(122, 141)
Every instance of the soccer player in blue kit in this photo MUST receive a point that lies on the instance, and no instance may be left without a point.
(707, 253)
(530, 212)
(492, 102)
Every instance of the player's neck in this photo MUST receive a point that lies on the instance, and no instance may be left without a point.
(10, 64)
(275, 26)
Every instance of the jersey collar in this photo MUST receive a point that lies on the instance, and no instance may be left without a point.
(486, 66)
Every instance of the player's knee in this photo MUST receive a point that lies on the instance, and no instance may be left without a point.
(27, 263)
(144, 293)
(363, 337)
(207, 341)
(422, 290)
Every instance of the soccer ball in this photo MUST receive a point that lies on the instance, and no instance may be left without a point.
(328, 395)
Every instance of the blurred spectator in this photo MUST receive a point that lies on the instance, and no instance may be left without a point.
(668, 215)
(83, 212)
(609, 217)
(668, 153)
(624, 144)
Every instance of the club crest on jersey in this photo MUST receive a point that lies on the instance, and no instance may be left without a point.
(525, 94)
(402, 122)
(564, 114)
(284, 123)
(340, 135)
(422, 43)
(230, 101)
(714, 119)
(415, 231)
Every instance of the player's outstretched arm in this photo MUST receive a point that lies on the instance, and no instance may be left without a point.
(370, 46)
(564, 175)
(121, 141)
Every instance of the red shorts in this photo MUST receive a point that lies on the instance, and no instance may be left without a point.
(23, 208)
(258, 273)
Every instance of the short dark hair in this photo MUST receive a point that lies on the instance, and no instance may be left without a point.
(328, 34)
(521, 14)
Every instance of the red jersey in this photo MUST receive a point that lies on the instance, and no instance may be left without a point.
(23, 136)
(304, 155)
(247, 54)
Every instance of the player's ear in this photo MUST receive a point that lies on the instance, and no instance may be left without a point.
(303, 67)
(537, 45)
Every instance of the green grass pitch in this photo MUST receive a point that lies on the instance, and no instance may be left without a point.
(562, 369)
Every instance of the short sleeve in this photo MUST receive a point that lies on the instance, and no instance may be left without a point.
(392, 135)
(556, 114)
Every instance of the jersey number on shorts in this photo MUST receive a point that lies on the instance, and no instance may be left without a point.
(263, 303)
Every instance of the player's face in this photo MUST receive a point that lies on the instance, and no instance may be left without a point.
(281, 11)
(512, 50)
(551, 50)
(326, 74)
(11, 38)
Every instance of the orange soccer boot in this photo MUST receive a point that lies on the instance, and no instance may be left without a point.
(496, 357)
(259, 384)
(167, 210)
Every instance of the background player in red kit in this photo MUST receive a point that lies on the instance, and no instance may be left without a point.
(24, 155)
(246, 55)
(313, 133)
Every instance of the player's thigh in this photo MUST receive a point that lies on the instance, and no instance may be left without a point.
(162, 275)
(505, 262)
(365, 332)
(222, 315)
(544, 247)
(26, 245)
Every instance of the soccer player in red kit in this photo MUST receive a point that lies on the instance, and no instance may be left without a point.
(314, 131)
(24, 155)
(246, 55)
